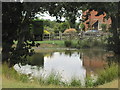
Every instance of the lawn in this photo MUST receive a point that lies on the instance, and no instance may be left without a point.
(17, 84)
(56, 42)
(113, 84)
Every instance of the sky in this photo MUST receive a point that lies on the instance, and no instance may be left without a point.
(48, 17)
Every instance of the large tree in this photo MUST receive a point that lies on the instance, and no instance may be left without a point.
(16, 20)
(111, 10)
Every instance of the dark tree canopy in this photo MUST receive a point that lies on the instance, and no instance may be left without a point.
(17, 18)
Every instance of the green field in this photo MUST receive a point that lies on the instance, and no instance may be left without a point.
(56, 42)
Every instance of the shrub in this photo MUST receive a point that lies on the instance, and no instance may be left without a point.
(75, 82)
(46, 32)
(83, 44)
(70, 31)
(109, 74)
(89, 82)
(53, 78)
(68, 43)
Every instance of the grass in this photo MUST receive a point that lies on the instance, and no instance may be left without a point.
(55, 42)
(12, 79)
(104, 76)
(12, 83)
(112, 84)
(83, 43)
(109, 74)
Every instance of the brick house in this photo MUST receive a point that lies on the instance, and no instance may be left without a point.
(94, 22)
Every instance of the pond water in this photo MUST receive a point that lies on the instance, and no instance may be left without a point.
(68, 64)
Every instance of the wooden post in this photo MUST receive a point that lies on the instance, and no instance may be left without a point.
(60, 35)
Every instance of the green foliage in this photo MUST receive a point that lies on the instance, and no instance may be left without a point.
(10, 73)
(91, 43)
(68, 43)
(63, 26)
(75, 82)
(53, 79)
(109, 74)
(82, 27)
(104, 27)
(17, 20)
(51, 30)
(89, 82)
(36, 60)
(84, 43)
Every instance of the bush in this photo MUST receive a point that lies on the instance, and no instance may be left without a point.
(75, 82)
(68, 43)
(89, 82)
(109, 74)
(53, 79)
(91, 43)
(83, 44)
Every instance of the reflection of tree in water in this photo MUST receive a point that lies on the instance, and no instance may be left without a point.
(49, 54)
(68, 52)
(36, 60)
(92, 54)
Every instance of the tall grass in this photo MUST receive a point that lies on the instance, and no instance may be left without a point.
(53, 78)
(107, 75)
(75, 82)
(89, 82)
(10, 73)
(110, 73)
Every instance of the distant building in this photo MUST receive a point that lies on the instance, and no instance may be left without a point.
(94, 22)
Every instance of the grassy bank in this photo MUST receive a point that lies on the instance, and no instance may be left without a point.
(12, 79)
(112, 84)
(88, 42)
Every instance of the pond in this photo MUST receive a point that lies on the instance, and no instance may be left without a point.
(67, 63)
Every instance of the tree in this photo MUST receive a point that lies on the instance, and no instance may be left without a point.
(63, 26)
(69, 10)
(16, 20)
(111, 10)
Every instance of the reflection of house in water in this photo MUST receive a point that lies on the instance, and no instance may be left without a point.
(93, 64)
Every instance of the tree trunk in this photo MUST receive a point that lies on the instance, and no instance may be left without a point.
(115, 38)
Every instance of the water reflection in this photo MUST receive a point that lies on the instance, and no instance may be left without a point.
(68, 63)
(36, 60)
